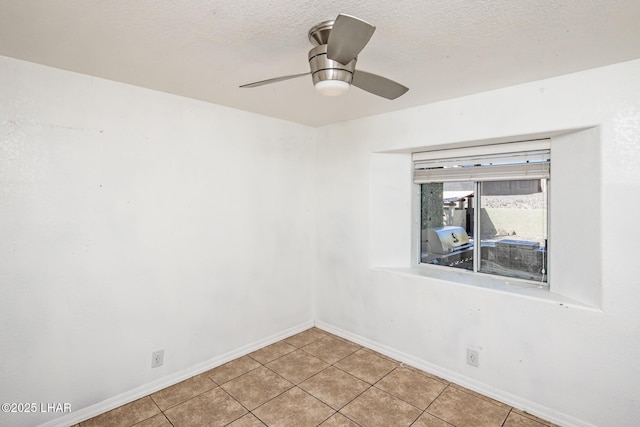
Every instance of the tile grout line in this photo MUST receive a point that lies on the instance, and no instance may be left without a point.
(341, 370)
(433, 401)
(507, 417)
(400, 398)
(334, 411)
(480, 396)
(422, 411)
(181, 402)
(359, 394)
(370, 385)
(276, 373)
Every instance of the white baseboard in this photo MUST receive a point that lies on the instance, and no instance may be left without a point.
(169, 380)
(455, 377)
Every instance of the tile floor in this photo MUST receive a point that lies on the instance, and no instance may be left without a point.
(315, 379)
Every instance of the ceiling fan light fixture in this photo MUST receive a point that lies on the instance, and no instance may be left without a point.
(332, 87)
(332, 61)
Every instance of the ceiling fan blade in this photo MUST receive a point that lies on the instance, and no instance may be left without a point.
(378, 85)
(274, 80)
(347, 38)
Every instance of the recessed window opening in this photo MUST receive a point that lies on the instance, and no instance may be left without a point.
(486, 212)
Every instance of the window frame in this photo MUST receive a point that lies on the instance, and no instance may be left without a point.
(511, 151)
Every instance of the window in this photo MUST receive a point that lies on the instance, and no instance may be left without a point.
(486, 211)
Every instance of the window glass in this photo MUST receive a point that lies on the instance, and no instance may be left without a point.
(513, 228)
(447, 224)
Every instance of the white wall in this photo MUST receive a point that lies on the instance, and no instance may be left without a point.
(567, 362)
(131, 221)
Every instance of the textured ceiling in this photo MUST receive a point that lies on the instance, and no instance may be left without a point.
(205, 49)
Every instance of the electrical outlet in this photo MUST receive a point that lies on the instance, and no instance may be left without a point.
(473, 357)
(157, 358)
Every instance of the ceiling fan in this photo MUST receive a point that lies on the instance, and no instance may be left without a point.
(333, 60)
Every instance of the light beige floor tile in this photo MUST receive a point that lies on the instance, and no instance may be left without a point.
(411, 387)
(156, 421)
(339, 420)
(331, 349)
(428, 420)
(383, 356)
(126, 415)
(516, 420)
(481, 396)
(297, 366)
(426, 374)
(182, 391)
(232, 369)
(256, 387)
(397, 397)
(293, 408)
(272, 352)
(464, 409)
(334, 387)
(366, 366)
(212, 408)
(306, 337)
(376, 408)
(533, 417)
(248, 420)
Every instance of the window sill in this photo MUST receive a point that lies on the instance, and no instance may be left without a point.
(516, 287)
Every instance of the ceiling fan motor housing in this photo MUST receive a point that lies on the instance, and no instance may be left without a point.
(323, 68)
